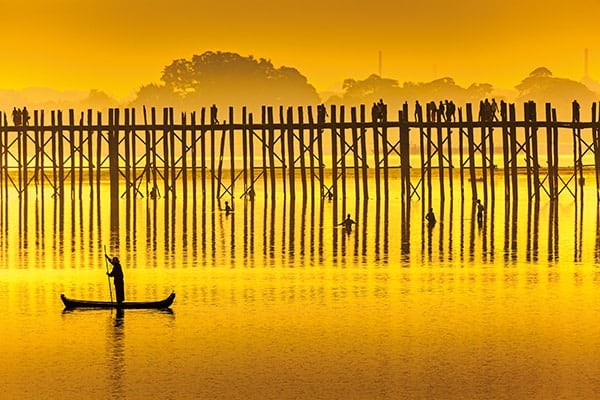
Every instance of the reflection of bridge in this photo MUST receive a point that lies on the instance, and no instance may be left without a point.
(302, 232)
(295, 150)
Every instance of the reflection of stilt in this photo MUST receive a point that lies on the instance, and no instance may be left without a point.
(377, 226)
(441, 229)
(513, 232)
(578, 236)
(364, 226)
(462, 228)
(450, 220)
(386, 225)
(597, 248)
(472, 233)
(292, 237)
(405, 230)
(506, 248)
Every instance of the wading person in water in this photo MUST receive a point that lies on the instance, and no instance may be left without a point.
(480, 211)
(117, 275)
(430, 217)
(347, 224)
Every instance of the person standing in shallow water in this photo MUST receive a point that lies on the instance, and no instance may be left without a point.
(480, 211)
(117, 275)
(347, 224)
(430, 217)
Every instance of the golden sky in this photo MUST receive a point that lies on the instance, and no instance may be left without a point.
(117, 46)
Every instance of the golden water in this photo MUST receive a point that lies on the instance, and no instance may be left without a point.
(274, 302)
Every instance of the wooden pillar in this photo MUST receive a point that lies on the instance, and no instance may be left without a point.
(384, 151)
(127, 154)
(203, 151)
(290, 146)
(534, 151)
(271, 147)
(61, 156)
(245, 167)
(184, 156)
(302, 154)
(334, 156)
(376, 135)
(512, 130)
(194, 149)
(342, 157)
(555, 155)
(251, 153)
(133, 134)
(505, 148)
(311, 149)
(113, 156)
(213, 122)
(165, 138)
(172, 159)
(549, 152)
(484, 159)
(355, 128)
(440, 154)
(231, 154)
(363, 152)
(264, 140)
(449, 156)
(283, 152)
(470, 133)
(461, 152)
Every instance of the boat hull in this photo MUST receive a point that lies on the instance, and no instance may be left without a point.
(161, 304)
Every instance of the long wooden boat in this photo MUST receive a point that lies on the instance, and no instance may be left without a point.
(161, 304)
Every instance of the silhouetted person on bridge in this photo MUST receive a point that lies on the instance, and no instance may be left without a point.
(441, 114)
(25, 116)
(321, 113)
(16, 116)
(431, 111)
(575, 111)
(494, 110)
(213, 115)
(418, 112)
(117, 275)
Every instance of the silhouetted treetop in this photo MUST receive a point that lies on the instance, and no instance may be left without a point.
(375, 87)
(225, 78)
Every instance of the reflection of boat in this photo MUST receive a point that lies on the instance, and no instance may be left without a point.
(70, 303)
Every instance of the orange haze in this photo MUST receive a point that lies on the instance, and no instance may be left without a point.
(117, 46)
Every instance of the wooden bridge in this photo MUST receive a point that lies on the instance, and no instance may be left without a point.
(298, 152)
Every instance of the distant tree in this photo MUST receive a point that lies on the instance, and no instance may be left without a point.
(369, 90)
(374, 88)
(229, 79)
(99, 100)
(541, 86)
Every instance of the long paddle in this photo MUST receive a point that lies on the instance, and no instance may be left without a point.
(107, 277)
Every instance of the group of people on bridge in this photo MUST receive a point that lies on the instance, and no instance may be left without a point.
(20, 117)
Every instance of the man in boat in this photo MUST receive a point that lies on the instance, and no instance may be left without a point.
(117, 275)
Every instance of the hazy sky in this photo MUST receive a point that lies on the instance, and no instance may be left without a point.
(117, 45)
